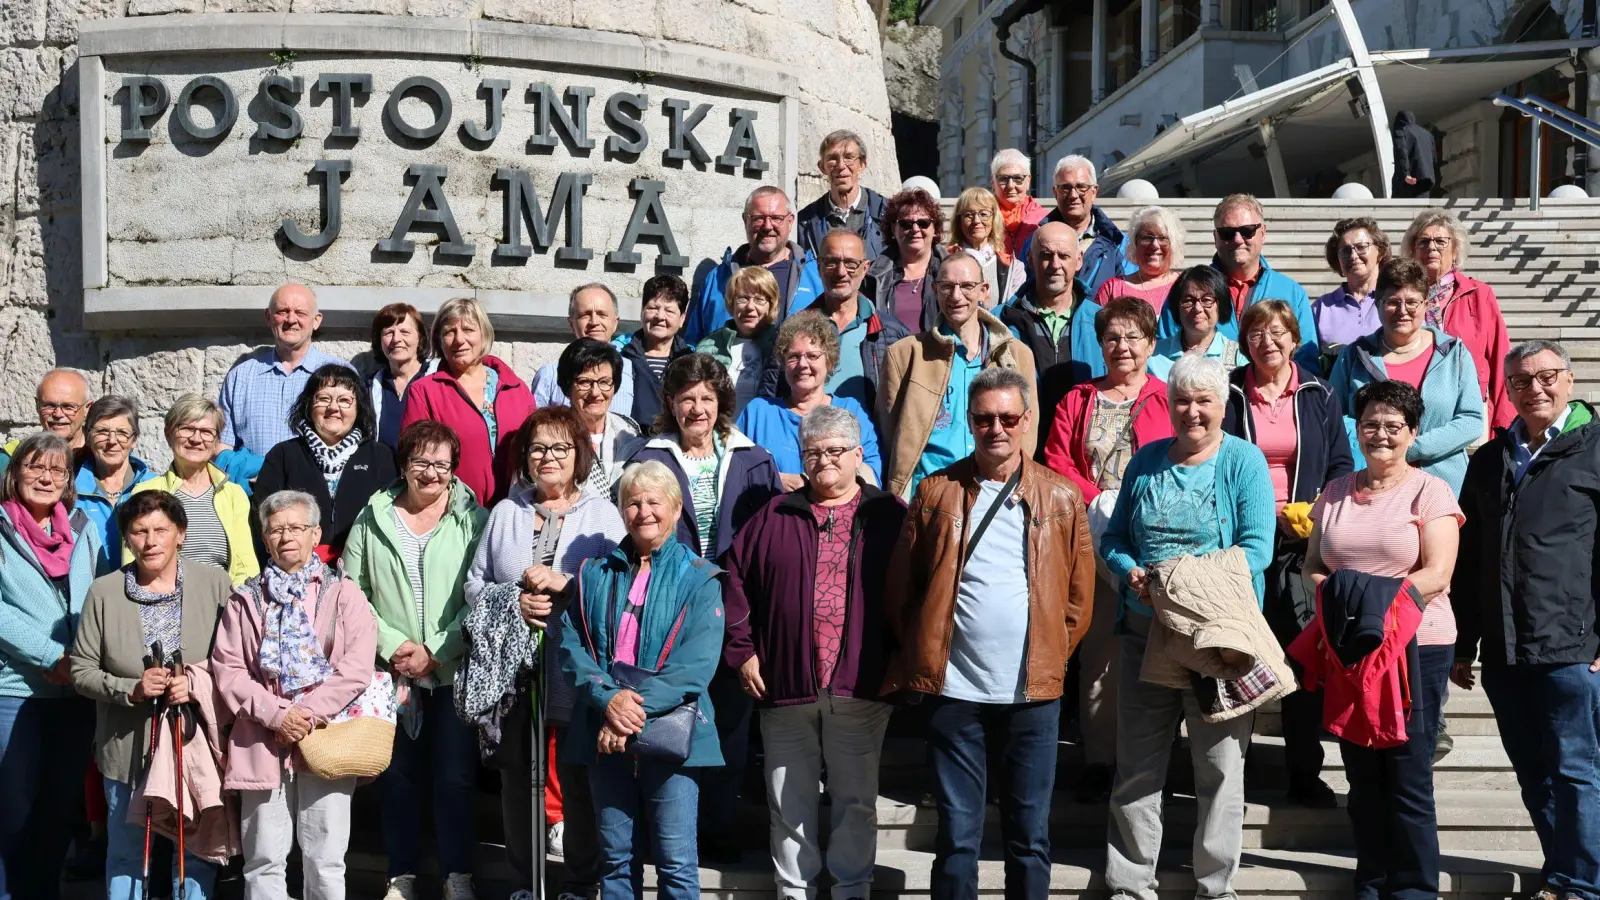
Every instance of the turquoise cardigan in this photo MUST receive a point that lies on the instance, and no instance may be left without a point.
(678, 579)
(1243, 487)
(39, 615)
(1452, 406)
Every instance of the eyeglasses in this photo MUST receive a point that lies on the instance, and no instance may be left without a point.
(1545, 377)
(1112, 339)
(190, 432)
(824, 455)
(37, 471)
(283, 531)
(1229, 232)
(1264, 336)
(835, 160)
(811, 356)
(768, 220)
(1153, 240)
(114, 435)
(1351, 251)
(324, 401)
(751, 302)
(549, 451)
(423, 467)
(1018, 180)
(1433, 243)
(1372, 429)
(1198, 303)
(1070, 189)
(918, 224)
(951, 288)
(69, 409)
(845, 264)
(1397, 305)
(977, 215)
(584, 385)
(1008, 421)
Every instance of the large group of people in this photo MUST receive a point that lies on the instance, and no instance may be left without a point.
(1020, 474)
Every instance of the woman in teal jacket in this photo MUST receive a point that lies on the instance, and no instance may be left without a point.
(652, 603)
(108, 476)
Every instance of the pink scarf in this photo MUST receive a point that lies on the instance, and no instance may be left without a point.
(53, 550)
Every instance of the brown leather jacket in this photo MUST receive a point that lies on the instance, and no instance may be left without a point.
(920, 600)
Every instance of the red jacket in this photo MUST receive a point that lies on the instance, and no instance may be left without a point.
(1066, 449)
(1474, 318)
(1367, 703)
(439, 397)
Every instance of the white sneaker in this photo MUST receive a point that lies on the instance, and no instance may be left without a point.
(403, 887)
(555, 844)
(458, 886)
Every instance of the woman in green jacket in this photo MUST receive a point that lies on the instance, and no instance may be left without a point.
(409, 551)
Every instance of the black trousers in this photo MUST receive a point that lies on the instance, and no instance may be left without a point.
(1289, 608)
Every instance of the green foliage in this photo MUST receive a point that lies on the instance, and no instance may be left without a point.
(903, 11)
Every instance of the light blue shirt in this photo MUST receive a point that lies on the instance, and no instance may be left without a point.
(989, 641)
(776, 428)
(850, 378)
(1179, 513)
(1521, 455)
(951, 438)
(259, 393)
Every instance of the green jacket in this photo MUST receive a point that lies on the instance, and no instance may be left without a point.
(372, 560)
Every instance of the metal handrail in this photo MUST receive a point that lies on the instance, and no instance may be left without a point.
(1539, 117)
(1556, 109)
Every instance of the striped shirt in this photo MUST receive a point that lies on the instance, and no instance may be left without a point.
(205, 541)
(703, 492)
(412, 546)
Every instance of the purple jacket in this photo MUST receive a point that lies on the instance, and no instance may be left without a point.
(771, 569)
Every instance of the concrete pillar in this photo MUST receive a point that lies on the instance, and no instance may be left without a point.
(1149, 36)
(1211, 17)
(1054, 120)
(1097, 77)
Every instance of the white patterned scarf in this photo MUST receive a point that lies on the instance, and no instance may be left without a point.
(331, 459)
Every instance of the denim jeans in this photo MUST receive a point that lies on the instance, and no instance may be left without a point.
(443, 762)
(1549, 718)
(720, 786)
(125, 855)
(646, 803)
(959, 734)
(44, 751)
(1391, 797)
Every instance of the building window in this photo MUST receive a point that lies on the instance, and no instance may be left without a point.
(1176, 20)
(1315, 5)
(1076, 65)
(955, 29)
(1255, 15)
(1122, 41)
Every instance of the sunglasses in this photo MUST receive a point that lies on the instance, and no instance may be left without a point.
(919, 224)
(1007, 421)
(1229, 232)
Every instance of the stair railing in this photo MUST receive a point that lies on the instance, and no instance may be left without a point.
(1542, 112)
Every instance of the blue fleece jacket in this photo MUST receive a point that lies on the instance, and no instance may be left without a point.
(103, 513)
(775, 428)
(38, 615)
(1272, 285)
(708, 309)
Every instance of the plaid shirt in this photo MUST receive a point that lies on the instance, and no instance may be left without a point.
(258, 395)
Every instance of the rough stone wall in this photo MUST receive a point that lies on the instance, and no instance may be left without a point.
(911, 69)
(830, 45)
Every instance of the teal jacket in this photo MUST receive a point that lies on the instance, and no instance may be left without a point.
(680, 582)
(1452, 403)
(103, 513)
(38, 615)
(1245, 503)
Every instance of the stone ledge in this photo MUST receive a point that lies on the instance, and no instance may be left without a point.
(414, 36)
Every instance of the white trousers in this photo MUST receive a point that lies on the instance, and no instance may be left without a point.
(306, 808)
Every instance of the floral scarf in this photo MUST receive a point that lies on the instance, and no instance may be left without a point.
(160, 615)
(290, 651)
(1439, 297)
(331, 459)
(53, 550)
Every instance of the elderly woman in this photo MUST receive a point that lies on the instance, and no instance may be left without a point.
(1196, 493)
(1461, 306)
(218, 510)
(808, 350)
(650, 604)
(47, 561)
(401, 352)
(1098, 428)
(158, 600)
(1350, 311)
(1293, 417)
(589, 373)
(1158, 241)
(1438, 365)
(979, 231)
(902, 278)
(1020, 214)
(476, 395)
(537, 538)
(806, 635)
(295, 647)
(108, 476)
(409, 552)
(744, 345)
(1198, 303)
(335, 456)
(1393, 520)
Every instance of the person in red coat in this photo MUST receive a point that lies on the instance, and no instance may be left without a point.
(476, 395)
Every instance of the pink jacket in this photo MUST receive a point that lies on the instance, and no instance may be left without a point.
(1367, 703)
(255, 760)
(1066, 450)
(211, 817)
(439, 397)
(1474, 318)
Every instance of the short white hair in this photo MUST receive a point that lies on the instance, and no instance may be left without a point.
(1074, 162)
(283, 501)
(650, 475)
(1159, 218)
(1194, 374)
(830, 422)
(1010, 156)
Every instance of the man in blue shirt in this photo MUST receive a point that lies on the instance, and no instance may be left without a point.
(864, 336)
(768, 230)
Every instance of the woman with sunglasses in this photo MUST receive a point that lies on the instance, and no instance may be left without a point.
(1350, 311)
(1199, 304)
(901, 280)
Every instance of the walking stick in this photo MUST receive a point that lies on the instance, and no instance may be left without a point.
(150, 662)
(177, 749)
(539, 835)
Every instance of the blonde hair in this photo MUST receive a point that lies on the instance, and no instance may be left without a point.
(650, 475)
(1428, 218)
(1159, 218)
(191, 408)
(753, 280)
(977, 198)
(1248, 201)
(461, 308)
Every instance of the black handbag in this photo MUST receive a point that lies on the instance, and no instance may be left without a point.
(668, 736)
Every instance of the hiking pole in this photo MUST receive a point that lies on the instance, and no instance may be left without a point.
(177, 750)
(150, 662)
(539, 828)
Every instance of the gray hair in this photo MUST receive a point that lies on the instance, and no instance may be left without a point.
(1526, 349)
(40, 445)
(652, 474)
(1429, 218)
(1193, 374)
(285, 500)
(112, 406)
(191, 408)
(1010, 156)
(830, 421)
(1074, 162)
(999, 378)
(839, 137)
(572, 298)
(767, 190)
(1159, 218)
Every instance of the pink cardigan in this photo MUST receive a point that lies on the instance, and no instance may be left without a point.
(255, 761)
(439, 397)
(1474, 318)
(1067, 451)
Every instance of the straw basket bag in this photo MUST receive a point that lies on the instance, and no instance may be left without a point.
(358, 742)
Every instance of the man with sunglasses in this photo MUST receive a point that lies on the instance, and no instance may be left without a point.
(1102, 245)
(864, 336)
(992, 591)
(768, 232)
(848, 204)
(1525, 607)
(62, 400)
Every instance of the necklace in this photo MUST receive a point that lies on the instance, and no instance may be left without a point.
(1366, 488)
(1408, 348)
(1120, 392)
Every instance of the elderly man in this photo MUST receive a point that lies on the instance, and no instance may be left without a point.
(1525, 607)
(1011, 179)
(847, 204)
(1099, 239)
(1046, 314)
(922, 400)
(62, 400)
(864, 336)
(591, 313)
(993, 587)
(806, 634)
(768, 224)
(260, 389)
